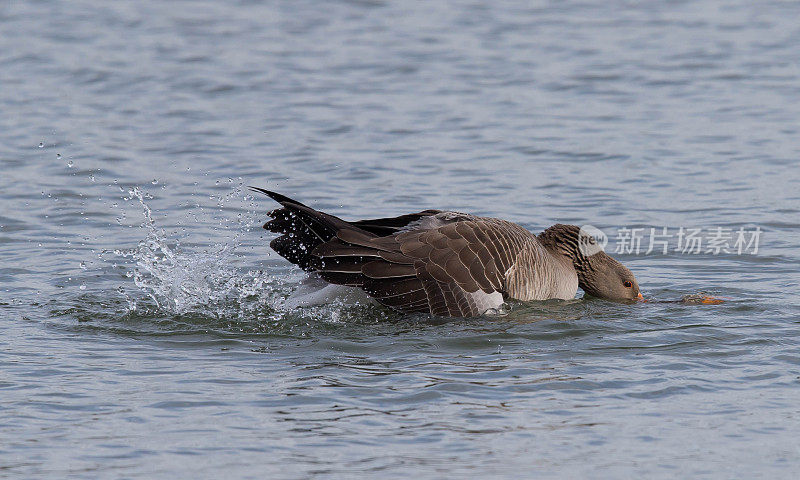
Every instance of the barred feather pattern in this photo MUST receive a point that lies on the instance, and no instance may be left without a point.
(443, 263)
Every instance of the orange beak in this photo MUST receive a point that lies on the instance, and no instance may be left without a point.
(711, 301)
(640, 297)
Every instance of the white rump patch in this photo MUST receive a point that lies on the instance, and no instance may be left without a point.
(316, 291)
(487, 301)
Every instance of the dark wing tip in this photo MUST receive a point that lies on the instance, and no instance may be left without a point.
(282, 199)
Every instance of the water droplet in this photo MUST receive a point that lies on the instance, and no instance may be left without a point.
(155, 181)
(91, 177)
(82, 287)
(70, 164)
(41, 144)
(83, 265)
(58, 156)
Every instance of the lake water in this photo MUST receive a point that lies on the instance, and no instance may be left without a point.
(145, 327)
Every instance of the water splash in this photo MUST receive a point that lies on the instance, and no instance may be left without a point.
(180, 281)
(216, 282)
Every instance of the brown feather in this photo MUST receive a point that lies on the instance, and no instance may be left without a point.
(399, 301)
(337, 264)
(335, 248)
(450, 231)
(395, 257)
(338, 278)
(415, 248)
(382, 269)
(392, 286)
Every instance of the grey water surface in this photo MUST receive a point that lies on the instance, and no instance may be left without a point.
(146, 331)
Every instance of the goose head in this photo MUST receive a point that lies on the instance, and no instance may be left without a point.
(599, 274)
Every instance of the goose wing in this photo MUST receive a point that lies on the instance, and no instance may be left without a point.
(457, 269)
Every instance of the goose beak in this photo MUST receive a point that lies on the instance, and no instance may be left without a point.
(640, 297)
(712, 301)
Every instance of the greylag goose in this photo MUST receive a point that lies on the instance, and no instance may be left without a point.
(445, 263)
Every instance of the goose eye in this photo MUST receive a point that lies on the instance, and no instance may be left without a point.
(627, 284)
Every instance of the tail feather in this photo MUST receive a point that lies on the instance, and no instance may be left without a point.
(360, 254)
(301, 227)
(282, 199)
